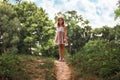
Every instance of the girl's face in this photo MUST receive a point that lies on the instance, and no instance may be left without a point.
(60, 21)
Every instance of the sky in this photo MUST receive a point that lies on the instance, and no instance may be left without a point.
(98, 12)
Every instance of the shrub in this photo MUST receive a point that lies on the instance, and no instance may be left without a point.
(11, 67)
(98, 58)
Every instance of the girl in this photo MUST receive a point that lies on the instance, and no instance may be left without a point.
(60, 38)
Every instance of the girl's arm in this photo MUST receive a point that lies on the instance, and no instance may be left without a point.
(65, 33)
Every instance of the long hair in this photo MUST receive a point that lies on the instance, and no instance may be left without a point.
(63, 23)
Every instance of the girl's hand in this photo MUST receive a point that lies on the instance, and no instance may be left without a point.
(64, 40)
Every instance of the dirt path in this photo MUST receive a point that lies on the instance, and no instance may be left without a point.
(63, 72)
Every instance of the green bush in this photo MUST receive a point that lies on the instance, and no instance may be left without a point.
(11, 67)
(51, 52)
(98, 58)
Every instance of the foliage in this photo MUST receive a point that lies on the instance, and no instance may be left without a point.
(117, 11)
(36, 27)
(11, 67)
(106, 33)
(9, 28)
(99, 58)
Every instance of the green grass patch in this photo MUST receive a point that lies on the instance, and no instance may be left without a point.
(26, 67)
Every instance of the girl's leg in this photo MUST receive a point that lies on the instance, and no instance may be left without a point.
(62, 51)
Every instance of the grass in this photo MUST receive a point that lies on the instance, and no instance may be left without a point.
(39, 67)
(35, 67)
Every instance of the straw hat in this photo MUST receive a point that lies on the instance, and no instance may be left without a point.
(60, 16)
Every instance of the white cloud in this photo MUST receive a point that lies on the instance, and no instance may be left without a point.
(50, 8)
(99, 13)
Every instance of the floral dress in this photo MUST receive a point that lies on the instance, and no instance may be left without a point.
(59, 37)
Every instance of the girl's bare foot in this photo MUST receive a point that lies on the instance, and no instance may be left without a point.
(60, 59)
(63, 59)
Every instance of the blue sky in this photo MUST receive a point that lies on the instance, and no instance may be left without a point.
(98, 12)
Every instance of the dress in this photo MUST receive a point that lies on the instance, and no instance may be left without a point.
(59, 37)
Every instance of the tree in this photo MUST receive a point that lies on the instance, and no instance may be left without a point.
(105, 33)
(9, 28)
(117, 35)
(117, 27)
(36, 27)
(16, 1)
(117, 11)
